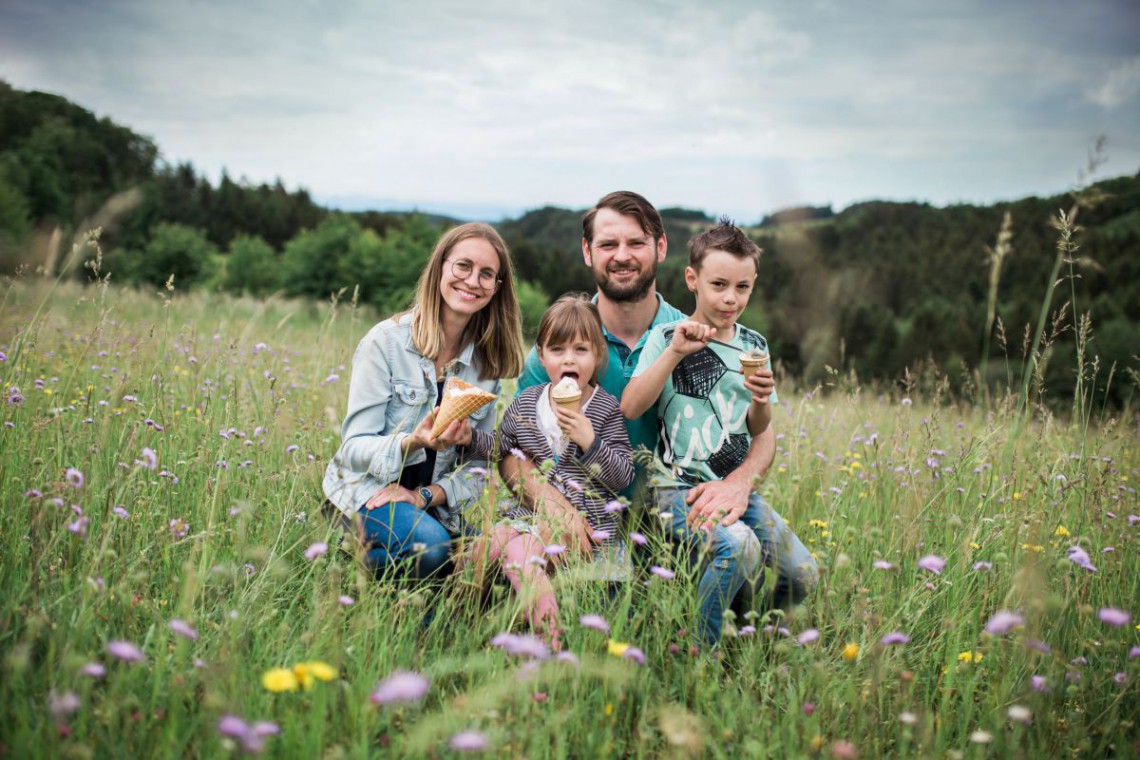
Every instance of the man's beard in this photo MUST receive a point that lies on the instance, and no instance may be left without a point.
(635, 290)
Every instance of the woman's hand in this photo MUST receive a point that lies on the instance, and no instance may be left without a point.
(389, 494)
(458, 433)
(690, 337)
(576, 426)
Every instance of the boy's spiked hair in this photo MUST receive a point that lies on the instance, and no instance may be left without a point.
(727, 237)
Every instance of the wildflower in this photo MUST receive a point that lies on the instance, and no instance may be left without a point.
(970, 656)
(908, 718)
(810, 636)
(248, 569)
(1039, 645)
(345, 600)
(897, 637)
(523, 645)
(597, 622)
(468, 741)
(662, 573)
(850, 651)
(93, 670)
(33, 493)
(79, 527)
(252, 737)
(182, 628)
(635, 654)
(74, 478)
(62, 705)
(291, 448)
(567, 657)
(1120, 678)
(983, 567)
(1039, 684)
(808, 708)
(1080, 558)
(401, 686)
(1020, 714)
(616, 648)
(843, 750)
(981, 737)
(179, 528)
(906, 402)
(554, 550)
(518, 454)
(600, 535)
(318, 549)
(1134, 652)
(149, 459)
(125, 651)
(1061, 531)
(613, 506)
(932, 563)
(638, 538)
(1113, 616)
(1003, 622)
(882, 564)
(279, 679)
(120, 512)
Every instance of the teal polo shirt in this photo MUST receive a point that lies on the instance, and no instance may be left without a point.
(619, 369)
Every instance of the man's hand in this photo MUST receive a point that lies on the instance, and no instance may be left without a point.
(722, 501)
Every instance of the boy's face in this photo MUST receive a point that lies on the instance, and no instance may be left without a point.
(575, 359)
(723, 286)
(623, 256)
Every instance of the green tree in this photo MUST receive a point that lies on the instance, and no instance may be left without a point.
(252, 267)
(176, 251)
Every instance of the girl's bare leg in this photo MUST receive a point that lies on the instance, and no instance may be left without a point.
(524, 564)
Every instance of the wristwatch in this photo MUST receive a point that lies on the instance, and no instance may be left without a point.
(426, 494)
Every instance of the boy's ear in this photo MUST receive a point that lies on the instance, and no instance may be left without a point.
(691, 279)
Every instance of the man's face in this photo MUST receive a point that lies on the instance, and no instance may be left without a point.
(623, 256)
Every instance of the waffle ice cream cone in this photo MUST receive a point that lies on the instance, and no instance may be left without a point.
(566, 394)
(460, 400)
(750, 361)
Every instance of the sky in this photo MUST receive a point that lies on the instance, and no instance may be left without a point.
(487, 109)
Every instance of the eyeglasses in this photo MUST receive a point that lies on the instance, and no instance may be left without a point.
(489, 279)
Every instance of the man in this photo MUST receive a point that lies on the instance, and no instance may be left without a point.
(623, 242)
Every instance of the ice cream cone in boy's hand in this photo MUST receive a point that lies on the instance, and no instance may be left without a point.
(752, 360)
(566, 394)
(460, 400)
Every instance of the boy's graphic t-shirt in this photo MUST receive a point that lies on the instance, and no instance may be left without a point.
(702, 413)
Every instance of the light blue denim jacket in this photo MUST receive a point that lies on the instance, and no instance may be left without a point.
(392, 388)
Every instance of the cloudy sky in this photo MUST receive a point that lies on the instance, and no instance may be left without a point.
(489, 108)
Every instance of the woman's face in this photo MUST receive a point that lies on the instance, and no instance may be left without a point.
(470, 277)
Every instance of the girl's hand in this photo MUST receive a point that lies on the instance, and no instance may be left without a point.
(760, 384)
(690, 337)
(389, 494)
(576, 426)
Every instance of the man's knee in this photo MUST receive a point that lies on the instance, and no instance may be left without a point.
(738, 544)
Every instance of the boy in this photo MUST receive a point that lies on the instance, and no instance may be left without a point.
(707, 414)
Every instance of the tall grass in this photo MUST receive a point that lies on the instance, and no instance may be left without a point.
(240, 403)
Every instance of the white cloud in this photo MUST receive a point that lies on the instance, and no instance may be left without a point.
(1121, 86)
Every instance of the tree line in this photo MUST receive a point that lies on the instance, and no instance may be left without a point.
(879, 288)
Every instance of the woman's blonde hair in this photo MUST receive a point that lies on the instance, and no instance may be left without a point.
(496, 329)
(571, 317)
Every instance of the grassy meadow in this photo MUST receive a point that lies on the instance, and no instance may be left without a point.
(170, 586)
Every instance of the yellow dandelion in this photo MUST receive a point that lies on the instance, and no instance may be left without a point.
(616, 648)
(321, 671)
(817, 523)
(970, 656)
(856, 465)
(1035, 548)
(609, 709)
(1061, 531)
(850, 651)
(975, 545)
(279, 679)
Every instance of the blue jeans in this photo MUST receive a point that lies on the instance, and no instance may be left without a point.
(398, 535)
(733, 558)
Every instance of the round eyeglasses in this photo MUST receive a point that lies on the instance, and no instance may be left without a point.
(489, 279)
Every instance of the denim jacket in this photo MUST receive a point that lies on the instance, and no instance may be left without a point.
(392, 388)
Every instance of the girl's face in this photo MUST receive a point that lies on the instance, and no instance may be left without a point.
(575, 359)
(470, 277)
(723, 286)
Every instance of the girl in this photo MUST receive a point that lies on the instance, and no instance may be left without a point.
(582, 446)
(405, 488)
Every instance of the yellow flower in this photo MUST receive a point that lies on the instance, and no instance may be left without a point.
(1061, 531)
(817, 523)
(970, 656)
(321, 671)
(616, 648)
(1036, 548)
(609, 709)
(279, 679)
(850, 651)
(856, 465)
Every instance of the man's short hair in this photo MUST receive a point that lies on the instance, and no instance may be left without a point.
(726, 237)
(626, 203)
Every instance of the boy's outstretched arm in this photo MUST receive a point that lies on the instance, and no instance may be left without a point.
(724, 501)
(644, 389)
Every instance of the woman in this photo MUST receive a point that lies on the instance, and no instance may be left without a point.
(406, 488)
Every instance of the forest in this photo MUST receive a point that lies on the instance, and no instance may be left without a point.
(882, 290)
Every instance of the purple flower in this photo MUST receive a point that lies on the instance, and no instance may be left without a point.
(882, 564)
(808, 708)
(554, 550)
(522, 645)
(600, 535)
(897, 637)
(1003, 622)
(638, 539)
(93, 670)
(747, 630)
(182, 628)
(318, 549)
(567, 657)
(662, 573)
(983, 567)
(346, 600)
(1080, 558)
(468, 741)
(613, 506)
(79, 527)
(291, 448)
(33, 493)
(1038, 683)
(597, 622)
(62, 705)
(635, 654)
(1039, 645)
(810, 636)
(179, 528)
(401, 686)
(1134, 652)
(148, 459)
(119, 511)
(252, 737)
(1113, 616)
(932, 563)
(1120, 679)
(125, 651)
(518, 454)
(74, 478)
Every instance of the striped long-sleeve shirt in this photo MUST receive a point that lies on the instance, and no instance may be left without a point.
(589, 479)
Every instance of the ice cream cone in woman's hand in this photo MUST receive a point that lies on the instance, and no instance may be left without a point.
(460, 400)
